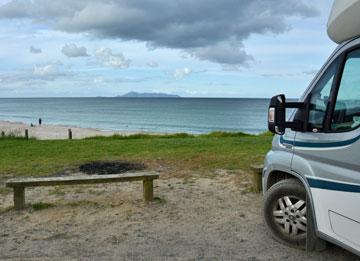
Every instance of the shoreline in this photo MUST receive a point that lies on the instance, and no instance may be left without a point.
(55, 132)
(60, 132)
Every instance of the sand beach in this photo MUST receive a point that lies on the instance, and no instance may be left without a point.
(53, 132)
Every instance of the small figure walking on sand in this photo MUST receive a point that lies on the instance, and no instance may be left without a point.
(40, 121)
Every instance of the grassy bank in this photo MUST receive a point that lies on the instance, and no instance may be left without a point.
(172, 153)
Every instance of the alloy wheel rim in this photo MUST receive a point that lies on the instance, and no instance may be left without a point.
(290, 215)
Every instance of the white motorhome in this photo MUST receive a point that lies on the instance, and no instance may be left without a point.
(311, 177)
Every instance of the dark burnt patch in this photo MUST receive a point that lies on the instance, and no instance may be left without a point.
(110, 167)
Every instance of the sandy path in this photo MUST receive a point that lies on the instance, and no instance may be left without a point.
(200, 218)
(49, 132)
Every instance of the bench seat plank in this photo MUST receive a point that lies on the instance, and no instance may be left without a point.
(81, 179)
(19, 184)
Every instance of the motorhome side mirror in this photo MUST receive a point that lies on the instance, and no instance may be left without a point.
(276, 116)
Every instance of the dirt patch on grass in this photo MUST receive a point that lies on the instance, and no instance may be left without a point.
(110, 167)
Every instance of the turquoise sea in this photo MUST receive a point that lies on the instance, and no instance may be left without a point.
(165, 115)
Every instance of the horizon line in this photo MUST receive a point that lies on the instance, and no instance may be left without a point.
(120, 97)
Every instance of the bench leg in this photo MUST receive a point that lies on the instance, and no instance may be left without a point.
(19, 198)
(148, 190)
(257, 181)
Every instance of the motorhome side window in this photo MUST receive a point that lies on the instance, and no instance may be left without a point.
(319, 98)
(346, 115)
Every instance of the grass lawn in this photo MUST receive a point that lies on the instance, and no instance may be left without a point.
(174, 153)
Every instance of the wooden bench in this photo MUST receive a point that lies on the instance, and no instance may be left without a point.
(19, 184)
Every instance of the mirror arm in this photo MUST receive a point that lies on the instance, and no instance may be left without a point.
(299, 124)
(295, 105)
(296, 125)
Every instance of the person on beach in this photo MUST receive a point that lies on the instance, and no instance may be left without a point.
(40, 121)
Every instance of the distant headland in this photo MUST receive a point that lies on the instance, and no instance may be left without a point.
(148, 95)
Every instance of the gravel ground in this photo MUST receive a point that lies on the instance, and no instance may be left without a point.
(194, 218)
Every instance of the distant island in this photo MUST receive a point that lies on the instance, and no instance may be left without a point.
(148, 95)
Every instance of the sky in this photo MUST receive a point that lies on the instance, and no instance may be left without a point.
(193, 48)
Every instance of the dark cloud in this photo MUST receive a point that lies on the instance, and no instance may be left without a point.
(35, 50)
(210, 30)
(71, 50)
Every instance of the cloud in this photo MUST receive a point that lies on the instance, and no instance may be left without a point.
(39, 75)
(152, 64)
(210, 30)
(50, 71)
(106, 57)
(102, 79)
(35, 50)
(71, 50)
(45, 70)
(182, 72)
(310, 72)
(278, 75)
(226, 53)
(99, 80)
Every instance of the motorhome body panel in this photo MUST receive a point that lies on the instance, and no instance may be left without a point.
(333, 175)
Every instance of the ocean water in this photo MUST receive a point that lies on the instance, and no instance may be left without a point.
(165, 115)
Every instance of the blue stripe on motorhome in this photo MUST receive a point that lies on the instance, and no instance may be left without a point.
(331, 185)
(319, 145)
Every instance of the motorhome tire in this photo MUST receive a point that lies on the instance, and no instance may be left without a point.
(284, 210)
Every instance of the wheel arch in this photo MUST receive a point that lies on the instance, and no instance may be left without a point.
(277, 175)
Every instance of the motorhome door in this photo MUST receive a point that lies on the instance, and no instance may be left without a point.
(329, 152)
